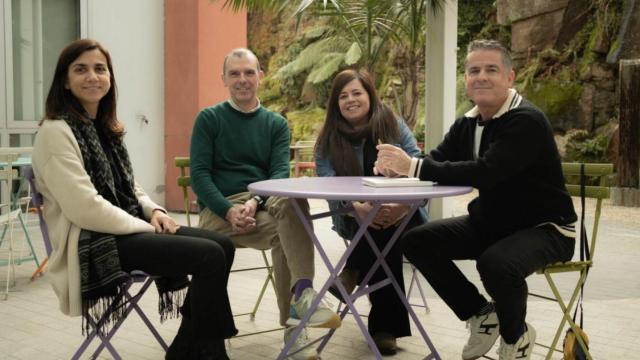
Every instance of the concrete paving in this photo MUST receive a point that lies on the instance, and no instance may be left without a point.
(31, 325)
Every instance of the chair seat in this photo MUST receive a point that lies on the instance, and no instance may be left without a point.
(565, 266)
(10, 216)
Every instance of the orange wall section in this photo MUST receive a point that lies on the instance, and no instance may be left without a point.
(198, 34)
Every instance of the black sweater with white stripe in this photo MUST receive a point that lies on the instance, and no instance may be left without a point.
(518, 171)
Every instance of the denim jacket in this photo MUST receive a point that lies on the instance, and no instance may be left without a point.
(344, 225)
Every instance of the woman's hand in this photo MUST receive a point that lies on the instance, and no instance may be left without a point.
(163, 223)
(363, 209)
(390, 215)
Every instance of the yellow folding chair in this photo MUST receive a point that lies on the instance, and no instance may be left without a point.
(184, 181)
(597, 173)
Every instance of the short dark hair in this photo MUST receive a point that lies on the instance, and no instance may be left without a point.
(61, 101)
(492, 45)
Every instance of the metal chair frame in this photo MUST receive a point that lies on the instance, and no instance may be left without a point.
(130, 301)
(8, 174)
(598, 192)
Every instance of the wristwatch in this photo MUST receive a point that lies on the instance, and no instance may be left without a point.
(258, 200)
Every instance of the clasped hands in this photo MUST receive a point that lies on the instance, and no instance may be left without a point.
(242, 216)
(388, 215)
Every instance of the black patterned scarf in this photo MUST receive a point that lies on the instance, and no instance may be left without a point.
(101, 277)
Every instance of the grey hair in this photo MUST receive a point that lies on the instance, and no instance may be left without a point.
(240, 53)
(491, 45)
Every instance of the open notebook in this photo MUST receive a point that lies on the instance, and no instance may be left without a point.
(379, 181)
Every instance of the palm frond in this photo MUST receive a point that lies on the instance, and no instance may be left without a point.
(354, 54)
(313, 54)
(326, 67)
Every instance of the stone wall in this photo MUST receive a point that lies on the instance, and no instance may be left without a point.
(534, 25)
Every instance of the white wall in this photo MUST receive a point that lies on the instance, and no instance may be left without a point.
(133, 32)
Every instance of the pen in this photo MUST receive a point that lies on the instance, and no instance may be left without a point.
(379, 141)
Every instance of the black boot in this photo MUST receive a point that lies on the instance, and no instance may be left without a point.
(212, 350)
(183, 346)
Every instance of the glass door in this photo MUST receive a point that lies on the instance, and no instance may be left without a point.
(35, 31)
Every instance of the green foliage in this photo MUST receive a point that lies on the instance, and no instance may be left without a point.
(306, 123)
(313, 55)
(463, 104)
(418, 131)
(585, 147)
(353, 55)
(473, 24)
(327, 66)
(556, 98)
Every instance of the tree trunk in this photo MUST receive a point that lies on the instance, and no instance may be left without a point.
(408, 65)
(629, 149)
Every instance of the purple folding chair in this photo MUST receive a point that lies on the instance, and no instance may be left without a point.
(130, 301)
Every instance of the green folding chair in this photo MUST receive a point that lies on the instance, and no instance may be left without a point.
(594, 173)
(184, 182)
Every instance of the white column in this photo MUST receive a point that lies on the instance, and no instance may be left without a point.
(440, 89)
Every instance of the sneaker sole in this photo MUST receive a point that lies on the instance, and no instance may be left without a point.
(333, 323)
(474, 357)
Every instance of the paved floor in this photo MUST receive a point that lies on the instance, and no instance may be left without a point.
(32, 327)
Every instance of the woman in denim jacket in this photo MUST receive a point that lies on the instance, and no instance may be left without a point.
(356, 121)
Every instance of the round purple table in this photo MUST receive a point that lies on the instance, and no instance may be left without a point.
(351, 189)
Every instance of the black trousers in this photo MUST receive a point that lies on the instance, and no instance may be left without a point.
(387, 313)
(205, 255)
(503, 265)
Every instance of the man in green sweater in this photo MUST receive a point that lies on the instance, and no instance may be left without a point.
(233, 144)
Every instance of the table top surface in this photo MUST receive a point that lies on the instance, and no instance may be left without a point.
(349, 188)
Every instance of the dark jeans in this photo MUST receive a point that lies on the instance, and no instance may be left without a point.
(503, 265)
(387, 313)
(205, 255)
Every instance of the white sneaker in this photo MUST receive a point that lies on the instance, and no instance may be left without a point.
(484, 331)
(522, 349)
(307, 353)
(322, 317)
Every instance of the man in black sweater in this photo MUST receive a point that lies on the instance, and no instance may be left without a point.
(522, 219)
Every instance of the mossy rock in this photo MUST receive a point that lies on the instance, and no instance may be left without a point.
(305, 124)
(559, 100)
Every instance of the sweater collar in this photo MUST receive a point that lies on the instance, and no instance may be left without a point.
(235, 106)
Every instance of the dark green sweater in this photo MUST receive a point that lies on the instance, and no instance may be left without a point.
(231, 149)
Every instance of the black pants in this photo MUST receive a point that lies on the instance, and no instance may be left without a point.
(387, 313)
(205, 255)
(503, 265)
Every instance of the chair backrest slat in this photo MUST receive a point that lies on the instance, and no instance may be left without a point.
(598, 192)
(37, 203)
(184, 181)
